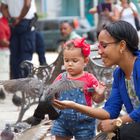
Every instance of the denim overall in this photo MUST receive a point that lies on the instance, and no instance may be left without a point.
(73, 123)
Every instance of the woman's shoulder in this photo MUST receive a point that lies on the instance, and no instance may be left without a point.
(137, 63)
(117, 72)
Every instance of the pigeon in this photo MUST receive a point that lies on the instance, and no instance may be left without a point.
(30, 86)
(57, 87)
(17, 100)
(30, 89)
(7, 133)
(49, 93)
(21, 127)
(2, 94)
(104, 136)
(38, 132)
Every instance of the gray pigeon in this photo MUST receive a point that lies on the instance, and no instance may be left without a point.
(30, 86)
(56, 88)
(7, 133)
(49, 93)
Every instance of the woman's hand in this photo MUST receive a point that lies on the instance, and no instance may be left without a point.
(106, 126)
(63, 104)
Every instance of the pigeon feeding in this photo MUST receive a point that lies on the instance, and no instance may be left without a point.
(49, 93)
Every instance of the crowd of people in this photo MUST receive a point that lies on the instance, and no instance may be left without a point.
(118, 43)
(112, 10)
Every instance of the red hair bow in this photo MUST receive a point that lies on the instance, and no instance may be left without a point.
(80, 43)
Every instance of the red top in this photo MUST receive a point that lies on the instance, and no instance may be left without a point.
(4, 30)
(89, 80)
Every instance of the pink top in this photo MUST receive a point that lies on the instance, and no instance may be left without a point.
(89, 80)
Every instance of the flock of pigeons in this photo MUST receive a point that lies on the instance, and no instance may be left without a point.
(35, 88)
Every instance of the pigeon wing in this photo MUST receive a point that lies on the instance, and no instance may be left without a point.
(60, 86)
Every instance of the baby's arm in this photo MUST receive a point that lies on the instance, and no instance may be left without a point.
(98, 95)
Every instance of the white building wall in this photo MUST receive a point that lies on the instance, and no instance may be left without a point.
(53, 8)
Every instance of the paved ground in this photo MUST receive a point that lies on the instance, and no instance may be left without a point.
(8, 111)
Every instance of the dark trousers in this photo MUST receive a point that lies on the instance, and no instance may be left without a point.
(40, 48)
(129, 131)
(22, 46)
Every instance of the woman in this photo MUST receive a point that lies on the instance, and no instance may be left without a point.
(107, 12)
(118, 45)
(128, 11)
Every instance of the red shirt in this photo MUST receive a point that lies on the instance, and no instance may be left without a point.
(4, 30)
(89, 80)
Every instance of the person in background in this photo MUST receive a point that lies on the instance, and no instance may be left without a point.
(22, 41)
(107, 12)
(40, 48)
(67, 32)
(39, 40)
(4, 33)
(4, 43)
(127, 11)
(118, 45)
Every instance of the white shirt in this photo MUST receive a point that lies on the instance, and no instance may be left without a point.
(15, 7)
(127, 14)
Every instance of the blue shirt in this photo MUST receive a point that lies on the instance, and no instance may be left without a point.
(119, 95)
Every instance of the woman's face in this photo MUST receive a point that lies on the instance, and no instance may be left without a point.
(109, 49)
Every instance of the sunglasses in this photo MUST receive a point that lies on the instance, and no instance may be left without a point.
(104, 45)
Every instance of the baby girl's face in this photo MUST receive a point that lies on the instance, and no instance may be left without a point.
(74, 62)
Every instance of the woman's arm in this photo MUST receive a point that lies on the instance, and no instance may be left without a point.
(90, 111)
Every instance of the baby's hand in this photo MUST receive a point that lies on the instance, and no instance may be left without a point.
(63, 104)
(100, 89)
